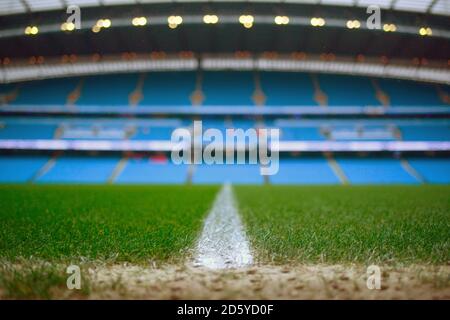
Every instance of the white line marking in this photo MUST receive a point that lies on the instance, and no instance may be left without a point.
(223, 243)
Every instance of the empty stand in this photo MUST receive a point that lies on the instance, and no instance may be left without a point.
(287, 89)
(410, 93)
(8, 93)
(147, 170)
(297, 130)
(153, 133)
(220, 173)
(168, 89)
(228, 88)
(304, 170)
(348, 90)
(426, 132)
(20, 169)
(7, 88)
(111, 90)
(80, 169)
(23, 130)
(375, 171)
(433, 170)
(45, 92)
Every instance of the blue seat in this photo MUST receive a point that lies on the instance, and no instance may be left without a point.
(375, 171)
(410, 93)
(348, 90)
(242, 124)
(433, 170)
(68, 169)
(6, 88)
(109, 90)
(168, 89)
(19, 169)
(426, 133)
(219, 124)
(222, 124)
(287, 89)
(231, 173)
(228, 88)
(153, 133)
(15, 130)
(45, 92)
(304, 171)
(149, 171)
(300, 133)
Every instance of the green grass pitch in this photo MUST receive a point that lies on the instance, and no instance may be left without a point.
(114, 223)
(336, 224)
(331, 224)
(43, 228)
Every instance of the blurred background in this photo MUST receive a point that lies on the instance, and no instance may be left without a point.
(98, 104)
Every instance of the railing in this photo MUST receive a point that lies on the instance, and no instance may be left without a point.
(339, 65)
(167, 146)
(188, 110)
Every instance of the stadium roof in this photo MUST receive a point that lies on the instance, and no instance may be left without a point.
(401, 34)
(440, 7)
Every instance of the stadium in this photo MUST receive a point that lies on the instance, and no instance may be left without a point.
(93, 204)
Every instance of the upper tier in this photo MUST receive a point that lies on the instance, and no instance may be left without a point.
(237, 88)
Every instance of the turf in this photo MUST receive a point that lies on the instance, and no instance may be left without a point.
(39, 280)
(285, 223)
(335, 224)
(113, 223)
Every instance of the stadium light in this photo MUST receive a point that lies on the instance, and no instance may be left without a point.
(31, 30)
(210, 19)
(425, 31)
(67, 26)
(281, 20)
(96, 29)
(353, 24)
(246, 21)
(103, 23)
(317, 22)
(389, 27)
(106, 23)
(139, 21)
(174, 21)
